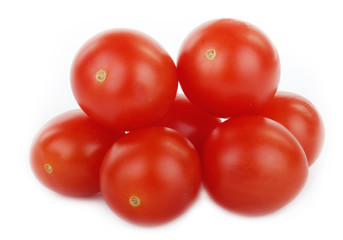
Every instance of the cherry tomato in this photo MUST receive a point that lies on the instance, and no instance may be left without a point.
(253, 165)
(301, 118)
(67, 153)
(124, 79)
(150, 176)
(228, 68)
(190, 121)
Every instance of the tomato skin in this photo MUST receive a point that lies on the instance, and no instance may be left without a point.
(301, 118)
(124, 79)
(239, 79)
(190, 121)
(156, 165)
(66, 154)
(253, 165)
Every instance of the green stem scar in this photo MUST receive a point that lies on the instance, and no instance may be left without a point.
(100, 75)
(134, 201)
(211, 54)
(48, 168)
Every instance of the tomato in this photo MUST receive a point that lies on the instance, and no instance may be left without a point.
(150, 176)
(190, 121)
(253, 165)
(228, 68)
(67, 153)
(124, 79)
(301, 118)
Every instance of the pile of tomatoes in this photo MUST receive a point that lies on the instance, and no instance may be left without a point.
(148, 150)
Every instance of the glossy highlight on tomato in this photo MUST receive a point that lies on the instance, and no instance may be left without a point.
(228, 68)
(150, 176)
(253, 165)
(301, 118)
(124, 79)
(66, 154)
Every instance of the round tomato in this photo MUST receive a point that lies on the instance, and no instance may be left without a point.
(150, 176)
(228, 68)
(67, 153)
(253, 165)
(301, 118)
(190, 121)
(124, 79)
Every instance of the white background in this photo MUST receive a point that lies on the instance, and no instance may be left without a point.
(38, 42)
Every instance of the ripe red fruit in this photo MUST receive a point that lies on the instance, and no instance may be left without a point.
(150, 176)
(301, 118)
(123, 79)
(190, 121)
(253, 165)
(67, 153)
(228, 68)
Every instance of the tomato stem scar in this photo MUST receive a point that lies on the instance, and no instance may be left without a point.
(134, 201)
(48, 168)
(100, 75)
(211, 54)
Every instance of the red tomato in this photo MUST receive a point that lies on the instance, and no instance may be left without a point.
(253, 165)
(228, 68)
(124, 79)
(301, 118)
(67, 153)
(190, 121)
(150, 176)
